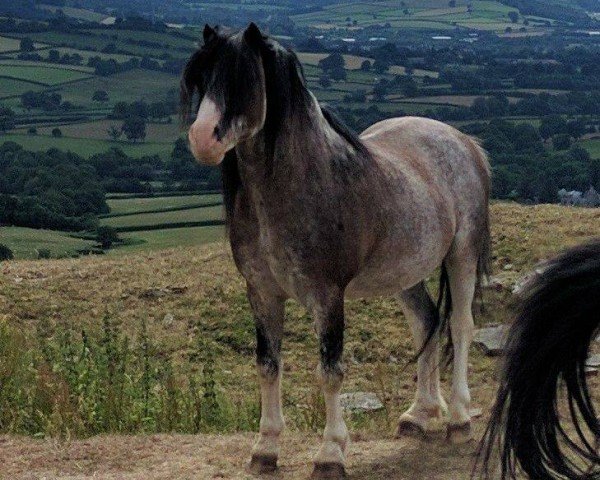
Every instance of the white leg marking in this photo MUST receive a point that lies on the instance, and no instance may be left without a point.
(271, 418)
(335, 435)
(462, 287)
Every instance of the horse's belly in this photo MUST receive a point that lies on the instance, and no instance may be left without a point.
(389, 276)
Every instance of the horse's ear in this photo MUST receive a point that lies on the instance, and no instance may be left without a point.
(253, 35)
(209, 34)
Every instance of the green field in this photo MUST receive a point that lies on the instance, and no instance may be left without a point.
(155, 132)
(86, 147)
(592, 146)
(26, 242)
(132, 205)
(428, 14)
(127, 86)
(95, 40)
(12, 87)
(9, 44)
(47, 75)
(159, 218)
(78, 13)
(170, 238)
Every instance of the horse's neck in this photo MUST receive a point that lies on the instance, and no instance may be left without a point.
(305, 150)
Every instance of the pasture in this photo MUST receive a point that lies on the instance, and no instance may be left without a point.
(592, 146)
(434, 14)
(86, 147)
(12, 87)
(97, 130)
(126, 86)
(42, 74)
(199, 214)
(26, 243)
(188, 306)
(147, 204)
(9, 44)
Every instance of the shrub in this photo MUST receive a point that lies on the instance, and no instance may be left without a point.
(67, 381)
(56, 132)
(43, 254)
(107, 237)
(5, 253)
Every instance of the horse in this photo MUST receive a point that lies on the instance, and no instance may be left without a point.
(318, 214)
(548, 343)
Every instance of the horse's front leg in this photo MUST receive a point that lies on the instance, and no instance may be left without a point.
(268, 313)
(329, 319)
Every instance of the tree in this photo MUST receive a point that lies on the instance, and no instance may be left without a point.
(552, 125)
(27, 45)
(56, 132)
(325, 81)
(107, 236)
(157, 110)
(134, 128)
(365, 66)
(54, 56)
(562, 141)
(514, 16)
(452, 3)
(114, 132)
(100, 96)
(5, 253)
(576, 128)
(381, 66)
(338, 74)
(7, 119)
(32, 131)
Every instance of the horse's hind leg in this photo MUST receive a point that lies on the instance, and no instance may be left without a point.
(427, 410)
(462, 273)
(268, 313)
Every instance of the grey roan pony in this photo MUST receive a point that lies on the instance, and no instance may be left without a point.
(318, 214)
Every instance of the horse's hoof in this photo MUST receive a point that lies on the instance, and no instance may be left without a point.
(459, 433)
(263, 464)
(408, 428)
(329, 471)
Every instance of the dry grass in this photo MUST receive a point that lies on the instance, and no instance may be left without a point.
(79, 292)
(175, 457)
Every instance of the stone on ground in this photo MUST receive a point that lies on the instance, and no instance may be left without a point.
(360, 401)
(491, 339)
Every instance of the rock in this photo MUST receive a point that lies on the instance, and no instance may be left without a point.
(593, 361)
(162, 292)
(475, 412)
(524, 281)
(494, 283)
(491, 339)
(360, 401)
(168, 320)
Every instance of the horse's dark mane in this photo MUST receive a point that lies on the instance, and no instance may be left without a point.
(346, 133)
(287, 95)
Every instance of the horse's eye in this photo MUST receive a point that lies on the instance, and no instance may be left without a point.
(217, 133)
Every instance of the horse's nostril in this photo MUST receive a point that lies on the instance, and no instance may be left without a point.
(217, 133)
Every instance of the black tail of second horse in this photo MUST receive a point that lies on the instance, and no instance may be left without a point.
(548, 345)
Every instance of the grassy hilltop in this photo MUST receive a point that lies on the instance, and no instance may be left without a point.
(168, 344)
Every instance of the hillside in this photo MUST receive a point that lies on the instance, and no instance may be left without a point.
(188, 305)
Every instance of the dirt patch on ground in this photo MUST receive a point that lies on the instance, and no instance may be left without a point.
(213, 456)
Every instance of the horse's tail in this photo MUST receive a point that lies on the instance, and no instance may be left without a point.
(558, 318)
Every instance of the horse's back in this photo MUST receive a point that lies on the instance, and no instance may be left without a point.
(432, 153)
